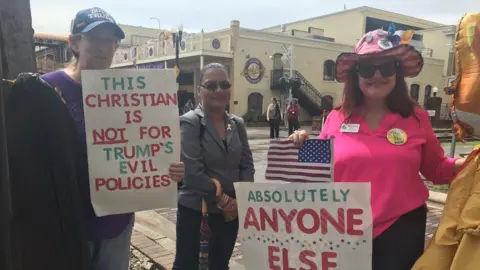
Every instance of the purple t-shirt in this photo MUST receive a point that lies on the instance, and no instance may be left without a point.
(106, 227)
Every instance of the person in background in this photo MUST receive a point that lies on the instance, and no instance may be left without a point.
(382, 137)
(274, 117)
(188, 106)
(293, 115)
(216, 154)
(94, 38)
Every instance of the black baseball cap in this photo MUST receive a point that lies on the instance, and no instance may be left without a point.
(88, 19)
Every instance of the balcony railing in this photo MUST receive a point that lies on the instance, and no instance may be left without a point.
(158, 48)
(309, 90)
(48, 65)
(444, 111)
(426, 52)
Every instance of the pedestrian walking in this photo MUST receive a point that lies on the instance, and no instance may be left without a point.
(293, 116)
(274, 117)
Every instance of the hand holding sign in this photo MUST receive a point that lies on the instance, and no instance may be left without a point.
(176, 171)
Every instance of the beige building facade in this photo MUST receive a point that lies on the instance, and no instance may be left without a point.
(307, 50)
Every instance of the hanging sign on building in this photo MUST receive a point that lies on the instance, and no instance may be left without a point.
(216, 44)
(253, 70)
(305, 226)
(132, 130)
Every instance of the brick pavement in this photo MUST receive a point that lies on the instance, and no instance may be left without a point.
(153, 250)
(433, 218)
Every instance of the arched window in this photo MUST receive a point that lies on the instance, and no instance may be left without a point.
(329, 70)
(277, 61)
(414, 91)
(428, 93)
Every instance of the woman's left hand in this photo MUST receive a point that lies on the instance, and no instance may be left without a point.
(176, 171)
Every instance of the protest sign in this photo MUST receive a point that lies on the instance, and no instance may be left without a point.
(322, 226)
(132, 129)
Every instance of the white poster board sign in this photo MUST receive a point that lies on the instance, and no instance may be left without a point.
(133, 134)
(305, 226)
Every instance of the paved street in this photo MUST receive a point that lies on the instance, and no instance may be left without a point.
(164, 223)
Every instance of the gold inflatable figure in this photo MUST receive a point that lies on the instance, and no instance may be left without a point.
(456, 243)
(407, 36)
(465, 106)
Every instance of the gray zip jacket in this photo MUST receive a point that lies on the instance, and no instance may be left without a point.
(206, 156)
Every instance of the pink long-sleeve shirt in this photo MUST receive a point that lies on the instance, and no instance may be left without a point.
(392, 170)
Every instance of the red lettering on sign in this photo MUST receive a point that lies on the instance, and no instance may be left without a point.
(132, 183)
(109, 136)
(322, 220)
(155, 132)
(352, 221)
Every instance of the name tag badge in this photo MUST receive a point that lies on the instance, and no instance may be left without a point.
(350, 128)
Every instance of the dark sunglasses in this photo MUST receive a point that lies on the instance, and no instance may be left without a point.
(213, 86)
(367, 70)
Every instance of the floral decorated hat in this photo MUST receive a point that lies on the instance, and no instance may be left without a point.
(382, 43)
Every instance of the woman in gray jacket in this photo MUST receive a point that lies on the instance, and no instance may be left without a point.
(216, 154)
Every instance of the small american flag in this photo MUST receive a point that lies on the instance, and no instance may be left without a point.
(313, 162)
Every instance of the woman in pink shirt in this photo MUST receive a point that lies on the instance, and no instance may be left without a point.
(383, 137)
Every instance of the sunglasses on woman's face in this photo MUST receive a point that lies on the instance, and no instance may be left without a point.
(367, 70)
(213, 86)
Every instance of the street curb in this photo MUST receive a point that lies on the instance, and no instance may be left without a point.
(437, 197)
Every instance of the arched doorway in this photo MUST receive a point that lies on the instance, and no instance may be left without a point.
(327, 103)
(255, 103)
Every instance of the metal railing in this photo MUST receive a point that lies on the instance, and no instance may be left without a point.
(444, 111)
(426, 52)
(49, 65)
(309, 90)
(159, 48)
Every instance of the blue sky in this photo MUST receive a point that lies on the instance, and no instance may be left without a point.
(54, 16)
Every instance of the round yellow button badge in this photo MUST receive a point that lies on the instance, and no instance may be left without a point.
(397, 136)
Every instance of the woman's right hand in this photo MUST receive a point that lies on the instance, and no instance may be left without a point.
(229, 208)
(298, 137)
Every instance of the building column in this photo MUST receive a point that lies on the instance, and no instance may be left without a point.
(196, 77)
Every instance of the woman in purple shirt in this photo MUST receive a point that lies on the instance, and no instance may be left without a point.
(94, 38)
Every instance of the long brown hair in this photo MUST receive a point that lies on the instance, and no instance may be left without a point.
(398, 101)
